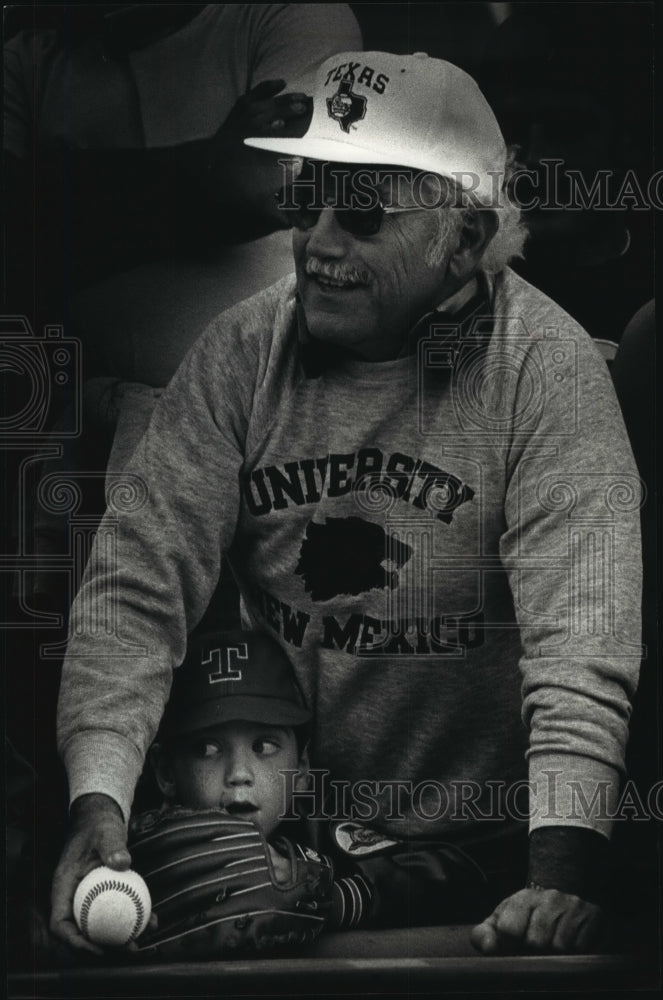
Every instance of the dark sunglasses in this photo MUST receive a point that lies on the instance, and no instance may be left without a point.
(303, 211)
(360, 222)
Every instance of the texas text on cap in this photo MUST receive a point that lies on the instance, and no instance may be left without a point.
(234, 675)
(410, 111)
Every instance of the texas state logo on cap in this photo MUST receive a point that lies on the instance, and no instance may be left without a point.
(409, 111)
(345, 106)
(234, 675)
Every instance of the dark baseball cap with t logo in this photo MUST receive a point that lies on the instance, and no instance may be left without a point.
(227, 676)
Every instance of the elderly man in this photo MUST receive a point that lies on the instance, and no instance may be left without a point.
(418, 468)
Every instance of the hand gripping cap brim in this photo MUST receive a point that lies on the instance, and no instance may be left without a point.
(411, 111)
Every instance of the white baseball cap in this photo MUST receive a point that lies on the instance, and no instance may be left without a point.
(409, 111)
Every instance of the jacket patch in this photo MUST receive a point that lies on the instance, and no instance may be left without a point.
(360, 841)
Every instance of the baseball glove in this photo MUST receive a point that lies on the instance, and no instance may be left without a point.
(214, 888)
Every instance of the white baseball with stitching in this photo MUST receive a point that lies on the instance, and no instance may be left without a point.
(112, 908)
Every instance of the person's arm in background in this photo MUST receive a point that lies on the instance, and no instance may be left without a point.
(383, 882)
(386, 881)
(62, 201)
(572, 502)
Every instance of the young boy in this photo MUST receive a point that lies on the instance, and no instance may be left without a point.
(234, 721)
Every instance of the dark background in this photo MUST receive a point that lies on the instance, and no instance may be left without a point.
(572, 80)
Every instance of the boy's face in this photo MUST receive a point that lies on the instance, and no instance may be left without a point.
(234, 766)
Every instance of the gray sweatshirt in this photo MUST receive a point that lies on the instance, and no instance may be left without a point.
(446, 546)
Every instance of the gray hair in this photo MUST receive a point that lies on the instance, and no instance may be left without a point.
(456, 213)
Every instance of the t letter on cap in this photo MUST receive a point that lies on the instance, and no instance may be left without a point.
(225, 671)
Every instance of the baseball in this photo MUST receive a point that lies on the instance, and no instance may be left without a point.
(112, 908)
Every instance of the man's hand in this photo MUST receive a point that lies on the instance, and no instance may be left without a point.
(241, 182)
(540, 920)
(261, 112)
(97, 836)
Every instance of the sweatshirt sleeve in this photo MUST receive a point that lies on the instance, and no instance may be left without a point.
(155, 563)
(572, 551)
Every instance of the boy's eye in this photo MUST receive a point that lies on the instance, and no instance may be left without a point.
(206, 748)
(266, 746)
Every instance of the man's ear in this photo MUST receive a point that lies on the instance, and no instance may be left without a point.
(479, 228)
(162, 762)
(303, 766)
